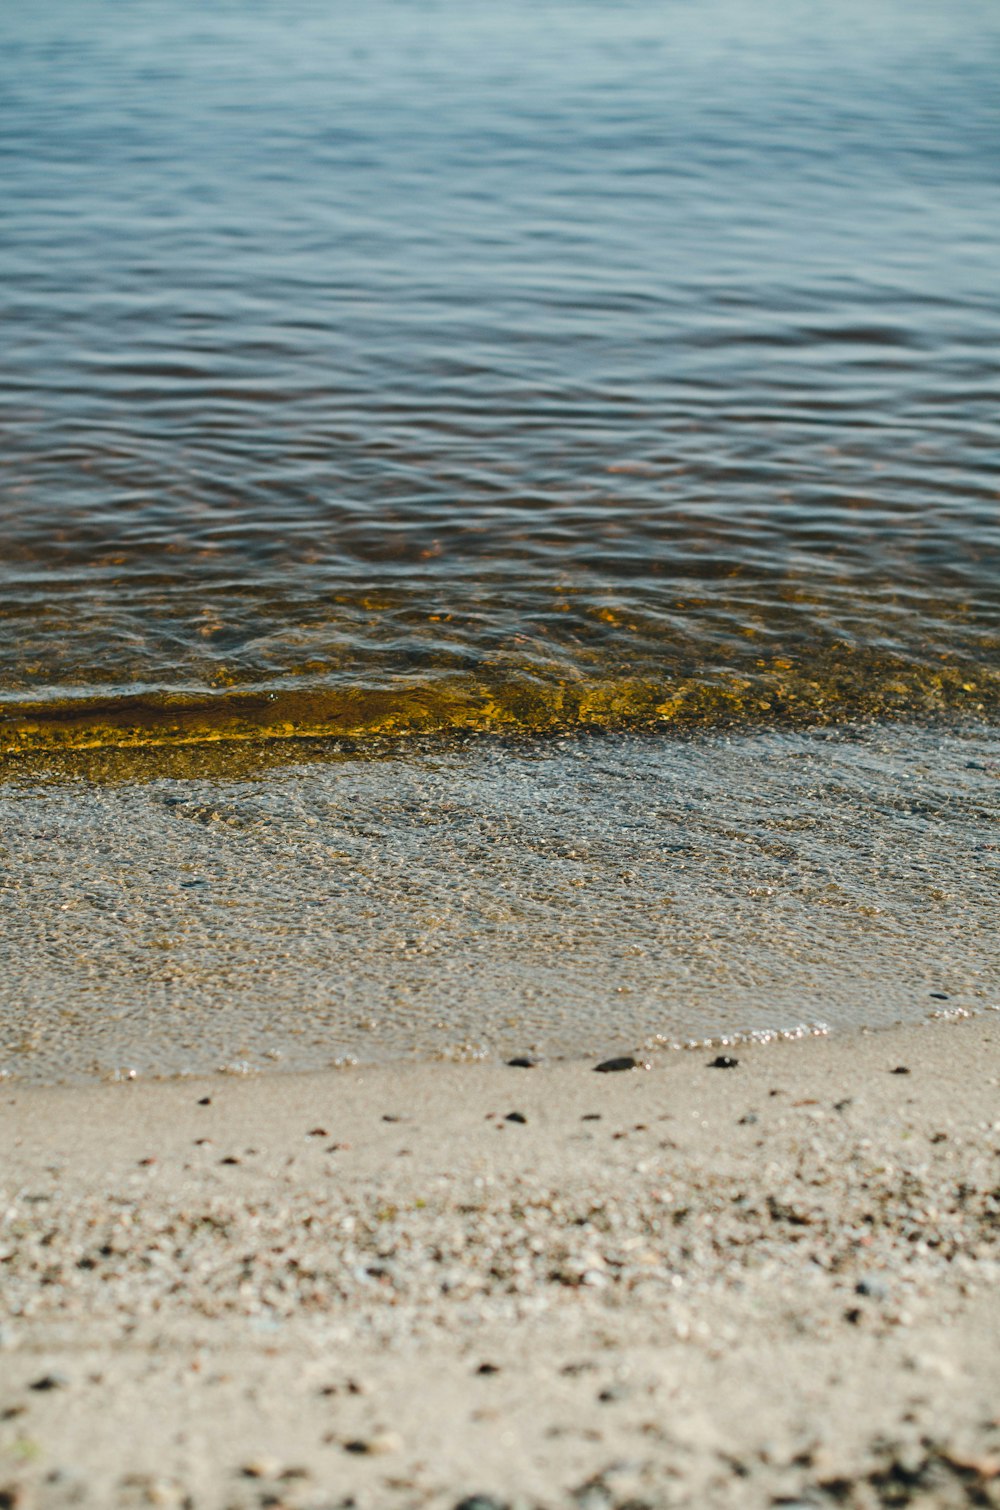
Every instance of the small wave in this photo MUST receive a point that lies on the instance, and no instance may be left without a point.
(861, 686)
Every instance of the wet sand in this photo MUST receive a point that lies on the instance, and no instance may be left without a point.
(568, 897)
(769, 1283)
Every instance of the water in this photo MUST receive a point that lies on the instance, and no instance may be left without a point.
(571, 897)
(434, 364)
(602, 394)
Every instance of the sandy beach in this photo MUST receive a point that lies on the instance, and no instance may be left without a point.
(499, 574)
(761, 1283)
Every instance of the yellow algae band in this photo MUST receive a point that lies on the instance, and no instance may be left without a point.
(857, 686)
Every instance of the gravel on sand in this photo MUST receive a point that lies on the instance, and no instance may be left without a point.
(662, 1288)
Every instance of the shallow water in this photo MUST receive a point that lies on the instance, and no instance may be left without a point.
(449, 364)
(448, 368)
(565, 897)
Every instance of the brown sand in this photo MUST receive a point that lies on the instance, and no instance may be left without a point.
(769, 1284)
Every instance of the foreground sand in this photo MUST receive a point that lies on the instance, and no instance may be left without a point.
(775, 1283)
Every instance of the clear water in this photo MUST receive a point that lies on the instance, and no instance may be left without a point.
(526, 368)
(447, 364)
(571, 897)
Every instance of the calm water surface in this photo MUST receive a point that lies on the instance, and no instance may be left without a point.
(434, 363)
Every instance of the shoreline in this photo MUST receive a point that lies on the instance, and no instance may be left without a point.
(774, 1282)
(590, 897)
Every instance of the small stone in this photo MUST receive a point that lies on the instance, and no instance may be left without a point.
(900, 1069)
(205, 1101)
(488, 1368)
(49, 1381)
(723, 1062)
(481, 1502)
(982, 1465)
(747, 1120)
(622, 1062)
(376, 1446)
(516, 1117)
(872, 1287)
(522, 1062)
(317, 1132)
(261, 1468)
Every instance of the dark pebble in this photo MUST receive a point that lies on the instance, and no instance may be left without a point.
(853, 1316)
(723, 1062)
(940, 996)
(205, 1101)
(481, 1502)
(488, 1368)
(522, 1062)
(900, 1069)
(748, 1119)
(317, 1132)
(229, 1160)
(623, 1062)
(874, 1288)
(515, 1117)
(591, 1117)
(358, 1446)
(49, 1381)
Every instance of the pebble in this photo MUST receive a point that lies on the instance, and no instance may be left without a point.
(49, 1381)
(723, 1062)
(481, 1502)
(376, 1446)
(901, 1069)
(623, 1062)
(869, 1285)
(261, 1468)
(522, 1062)
(515, 1117)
